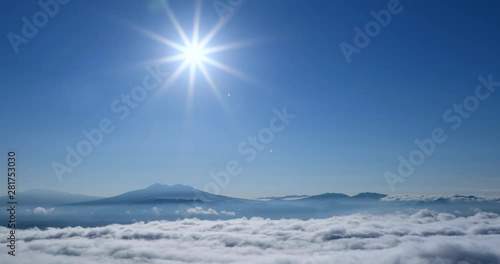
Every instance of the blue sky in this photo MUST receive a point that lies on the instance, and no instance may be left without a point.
(352, 120)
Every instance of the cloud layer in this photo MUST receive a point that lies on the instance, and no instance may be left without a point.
(423, 237)
(200, 211)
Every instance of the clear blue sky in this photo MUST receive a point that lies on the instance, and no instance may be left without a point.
(353, 119)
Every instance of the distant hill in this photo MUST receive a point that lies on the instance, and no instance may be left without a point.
(328, 196)
(283, 198)
(172, 202)
(344, 197)
(38, 197)
(177, 194)
(427, 199)
(369, 196)
(161, 193)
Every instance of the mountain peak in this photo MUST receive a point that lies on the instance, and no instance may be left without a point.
(156, 185)
(161, 193)
(175, 187)
(369, 195)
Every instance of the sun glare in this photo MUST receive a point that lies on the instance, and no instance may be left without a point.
(195, 53)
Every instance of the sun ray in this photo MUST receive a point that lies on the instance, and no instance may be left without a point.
(169, 59)
(212, 33)
(210, 82)
(194, 54)
(214, 89)
(227, 69)
(228, 46)
(196, 22)
(177, 26)
(189, 99)
(192, 78)
(158, 38)
(173, 77)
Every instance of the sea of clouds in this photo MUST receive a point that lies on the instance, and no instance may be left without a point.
(422, 237)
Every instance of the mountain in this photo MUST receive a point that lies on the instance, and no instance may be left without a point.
(173, 194)
(283, 198)
(366, 196)
(369, 196)
(456, 198)
(164, 202)
(328, 196)
(38, 197)
(161, 193)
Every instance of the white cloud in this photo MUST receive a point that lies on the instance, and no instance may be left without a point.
(231, 213)
(422, 238)
(200, 211)
(43, 211)
(155, 210)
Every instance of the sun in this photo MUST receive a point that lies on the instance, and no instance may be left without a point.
(194, 52)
